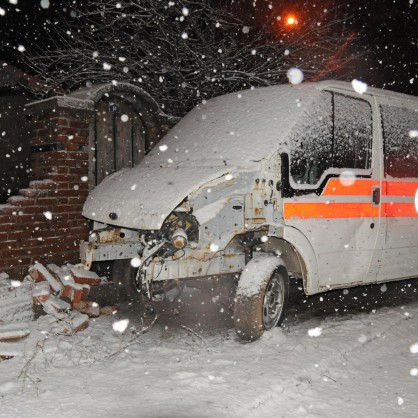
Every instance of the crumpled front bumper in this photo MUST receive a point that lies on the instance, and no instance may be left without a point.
(90, 251)
(110, 244)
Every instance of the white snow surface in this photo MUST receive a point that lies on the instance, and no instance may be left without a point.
(193, 365)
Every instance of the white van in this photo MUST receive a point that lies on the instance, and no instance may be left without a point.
(312, 181)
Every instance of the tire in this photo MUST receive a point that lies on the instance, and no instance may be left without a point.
(263, 305)
(124, 275)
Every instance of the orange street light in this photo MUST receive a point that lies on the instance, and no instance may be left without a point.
(291, 20)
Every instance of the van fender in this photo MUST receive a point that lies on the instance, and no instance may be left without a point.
(306, 255)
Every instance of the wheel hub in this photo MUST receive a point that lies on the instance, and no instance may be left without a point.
(273, 302)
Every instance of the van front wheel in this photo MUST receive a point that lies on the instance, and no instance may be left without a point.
(262, 297)
(124, 275)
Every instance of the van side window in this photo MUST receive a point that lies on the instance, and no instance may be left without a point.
(401, 147)
(352, 132)
(312, 142)
(335, 133)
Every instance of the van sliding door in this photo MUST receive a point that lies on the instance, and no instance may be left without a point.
(400, 191)
(335, 178)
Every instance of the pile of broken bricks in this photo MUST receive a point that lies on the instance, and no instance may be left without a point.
(61, 292)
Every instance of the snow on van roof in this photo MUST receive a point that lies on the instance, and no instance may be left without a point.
(239, 128)
(245, 126)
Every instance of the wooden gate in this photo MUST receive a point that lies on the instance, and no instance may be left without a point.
(119, 136)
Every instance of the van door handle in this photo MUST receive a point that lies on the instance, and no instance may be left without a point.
(376, 196)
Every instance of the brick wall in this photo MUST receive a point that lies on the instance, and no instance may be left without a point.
(43, 222)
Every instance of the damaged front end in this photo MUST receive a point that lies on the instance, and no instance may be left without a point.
(108, 243)
(210, 233)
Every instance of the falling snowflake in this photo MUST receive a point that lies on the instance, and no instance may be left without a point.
(15, 283)
(347, 178)
(135, 262)
(416, 200)
(315, 332)
(414, 348)
(358, 86)
(120, 326)
(214, 248)
(294, 75)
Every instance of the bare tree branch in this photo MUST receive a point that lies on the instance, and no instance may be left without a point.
(182, 56)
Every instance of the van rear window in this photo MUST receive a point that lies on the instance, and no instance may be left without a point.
(335, 133)
(400, 141)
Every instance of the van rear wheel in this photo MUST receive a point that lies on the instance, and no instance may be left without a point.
(263, 307)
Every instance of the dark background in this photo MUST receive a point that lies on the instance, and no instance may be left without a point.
(386, 29)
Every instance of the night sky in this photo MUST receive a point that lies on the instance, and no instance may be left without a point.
(387, 31)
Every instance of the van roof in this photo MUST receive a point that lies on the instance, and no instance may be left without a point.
(346, 86)
(248, 125)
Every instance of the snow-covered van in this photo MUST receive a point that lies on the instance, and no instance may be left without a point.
(314, 181)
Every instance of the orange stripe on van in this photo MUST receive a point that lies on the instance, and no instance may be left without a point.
(364, 187)
(359, 187)
(400, 188)
(399, 210)
(300, 210)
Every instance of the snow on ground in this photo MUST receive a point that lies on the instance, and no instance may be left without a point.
(191, 364)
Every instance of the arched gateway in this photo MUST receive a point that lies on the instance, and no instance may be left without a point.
(127, 124)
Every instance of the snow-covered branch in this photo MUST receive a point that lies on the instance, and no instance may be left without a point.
(182, 53)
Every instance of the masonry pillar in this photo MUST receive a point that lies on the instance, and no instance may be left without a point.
(44, 222)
